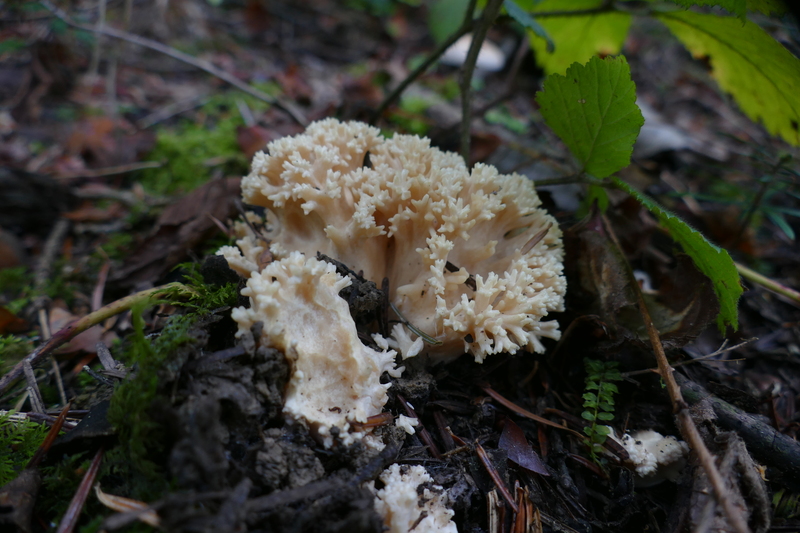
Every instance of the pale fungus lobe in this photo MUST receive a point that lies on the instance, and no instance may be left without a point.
(335, 379)
(654, 457)
(472, 260)
(410, 501)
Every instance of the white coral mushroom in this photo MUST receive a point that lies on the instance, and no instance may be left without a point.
(405, 508)
(335, 379)
(471, 258)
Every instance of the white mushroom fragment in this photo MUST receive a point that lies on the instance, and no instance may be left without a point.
(490, 57)
(654, 457)
(406, 506)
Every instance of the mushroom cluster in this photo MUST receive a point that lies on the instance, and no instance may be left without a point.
(473, 263)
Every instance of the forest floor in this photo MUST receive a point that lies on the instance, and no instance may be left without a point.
(119, 172)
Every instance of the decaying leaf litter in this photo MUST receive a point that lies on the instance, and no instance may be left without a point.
(199, 434)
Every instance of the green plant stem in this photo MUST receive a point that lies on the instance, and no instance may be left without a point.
(466, 27)
(686, 424)
(490, 13)
(68, 333)
(206, 66)
(769, 284)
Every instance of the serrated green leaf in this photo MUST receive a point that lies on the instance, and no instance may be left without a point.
(589, 397)
(711, 260)
(593, 110)
(602, 430)
(762, 75)
(529, 23)
(609, 387)
(735, 7)
(577, 37)
(605, 416)
(767, 7)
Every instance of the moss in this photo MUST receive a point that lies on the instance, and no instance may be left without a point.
(138, 402)
(19, 440)
(193, 149)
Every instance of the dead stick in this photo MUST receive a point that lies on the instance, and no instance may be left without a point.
(465, 27)
(68, 333)
(180, 56)
(489, 14)
(680, 407)
(492, 471)
(70, 518)
(771, 285)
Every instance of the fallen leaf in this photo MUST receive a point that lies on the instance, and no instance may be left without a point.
(107, 142)
(182, 226)
(519, 451)
(681, 304)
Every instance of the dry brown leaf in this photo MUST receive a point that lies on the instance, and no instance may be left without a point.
(125, 505)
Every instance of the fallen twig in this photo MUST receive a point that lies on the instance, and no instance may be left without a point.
(489, 14)
(771, 285)
(76, 505)
(180, 56)
(524, 412)
(681, 409)
(492, 471)
(466, 27)
(68, 333)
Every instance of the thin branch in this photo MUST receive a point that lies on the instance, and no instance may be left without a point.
(68, 333)
(487, 19)
(180, 56)
(466, 27)
(686, 425)
(769, 284)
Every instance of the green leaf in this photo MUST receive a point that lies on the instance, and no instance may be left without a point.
(602, 430)
(444, 18)
(762, 75)
(711, 260)
(605, 416)
(588, 415)
(779, 221)
(529, 23)
(593, 110)
(767, 7)
(735, 7)
(577, 37)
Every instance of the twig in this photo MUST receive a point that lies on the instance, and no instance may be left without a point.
(171, 110)
(111, 171)
(487, 19)
(686, 425)
(94, 62)
(466, 27)
(66, 334)
(180, 56)
(70, 518)
(45, 265)
(492, 471)
(524, 412)
(37, 404)
(769, 284)
(55, 429)
(423, 433)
